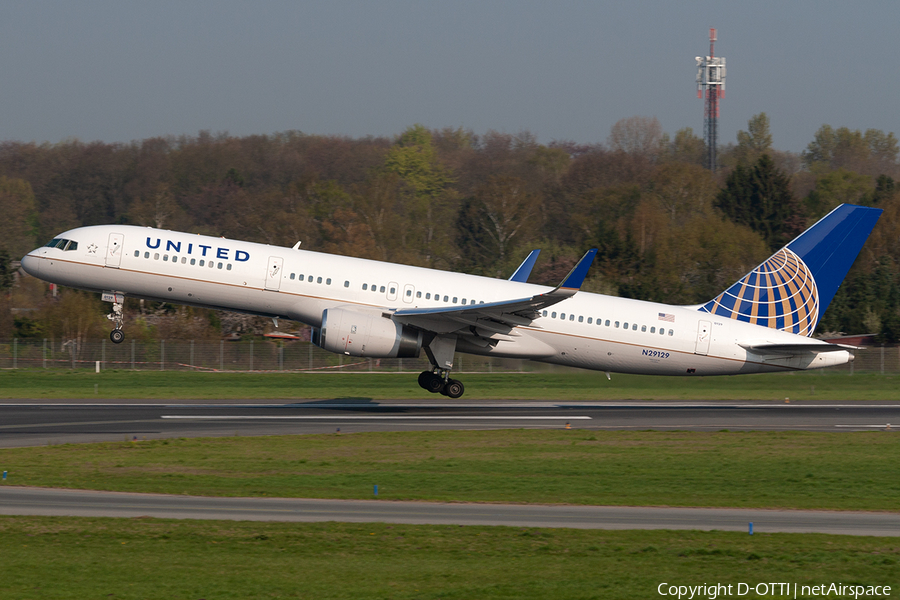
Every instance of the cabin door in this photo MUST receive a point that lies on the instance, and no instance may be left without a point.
(703, 334)
(114, 250)
(273, 273)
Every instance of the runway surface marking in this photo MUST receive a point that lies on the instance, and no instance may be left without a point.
(288, 403)
(369, 417)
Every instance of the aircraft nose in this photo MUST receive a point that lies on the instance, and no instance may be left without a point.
(32, 265)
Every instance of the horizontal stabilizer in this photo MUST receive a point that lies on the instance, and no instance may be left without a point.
(782, 349)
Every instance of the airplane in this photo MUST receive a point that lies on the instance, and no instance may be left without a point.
(368, 308)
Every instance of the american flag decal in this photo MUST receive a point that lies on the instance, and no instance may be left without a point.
(667, 317)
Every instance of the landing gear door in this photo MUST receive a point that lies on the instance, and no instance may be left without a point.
(704, 331)
(273, 273)
(114, 250)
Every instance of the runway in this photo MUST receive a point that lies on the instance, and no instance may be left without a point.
(37, 501)
(40, 422)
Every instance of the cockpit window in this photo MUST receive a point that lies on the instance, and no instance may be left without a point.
(62, 244)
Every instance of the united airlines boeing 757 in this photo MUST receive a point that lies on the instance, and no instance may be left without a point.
(367, 308)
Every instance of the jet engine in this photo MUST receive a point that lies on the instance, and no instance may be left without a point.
(362, 334)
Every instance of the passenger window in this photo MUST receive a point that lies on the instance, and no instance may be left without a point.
(365, 286)
(156, 256)
(146, 255)
(228, 267)
(418, 294)
(464, 301)
(671, 332)
(643, 328)
(346, 284)
(393, 290)
(624, 325)
(471, 302)
(634, 327)
(382, 289)
(211, 264)
(455, 298)
(318, 280)
(220, 265)
(590, 320)
(544, 313)
(428, 296)
(662, 331)
(137, 253)
(562, 316)
(617, 324)
(202, 263)
(553, 315)
(446, 298)
(409, 293)
(653, 330)
(183, 259)
(292, 276)
(165, 257)
(571, 317)
(607, 323)
(328, 281)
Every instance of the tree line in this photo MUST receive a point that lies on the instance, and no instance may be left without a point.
(667, 229)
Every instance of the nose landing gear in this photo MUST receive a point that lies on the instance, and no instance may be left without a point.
(116, 316)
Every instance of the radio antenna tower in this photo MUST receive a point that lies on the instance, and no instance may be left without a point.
(711, 78)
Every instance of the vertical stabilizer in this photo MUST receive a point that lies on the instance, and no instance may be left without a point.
(793, 288)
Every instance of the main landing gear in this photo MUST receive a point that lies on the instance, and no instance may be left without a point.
(440, 354)
(118, 318)
(439, 381)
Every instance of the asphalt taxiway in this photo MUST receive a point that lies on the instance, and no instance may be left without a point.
(83, 503)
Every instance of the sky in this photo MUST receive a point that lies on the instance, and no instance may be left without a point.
(119, 71)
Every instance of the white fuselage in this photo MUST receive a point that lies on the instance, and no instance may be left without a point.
(590, 331)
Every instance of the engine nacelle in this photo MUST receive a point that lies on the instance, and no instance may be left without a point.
(361, 334)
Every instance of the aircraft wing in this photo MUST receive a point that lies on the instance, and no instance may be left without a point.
(495, 317)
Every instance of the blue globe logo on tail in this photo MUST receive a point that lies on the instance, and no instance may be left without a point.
(781, 294)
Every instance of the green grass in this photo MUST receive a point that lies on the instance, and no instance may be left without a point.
(56, 557)
(842, 471)
(569, 386)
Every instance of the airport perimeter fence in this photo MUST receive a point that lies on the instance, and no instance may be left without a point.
(261, 356)
(291, 355)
